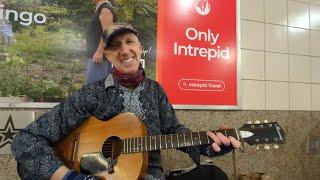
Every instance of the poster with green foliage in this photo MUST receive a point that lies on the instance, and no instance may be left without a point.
(42, 44)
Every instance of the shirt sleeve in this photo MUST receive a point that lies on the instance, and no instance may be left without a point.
(33, 146)
(171, 125)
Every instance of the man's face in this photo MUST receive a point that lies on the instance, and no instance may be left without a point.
(124, 53)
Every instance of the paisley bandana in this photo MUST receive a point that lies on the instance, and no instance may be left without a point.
(128, 80)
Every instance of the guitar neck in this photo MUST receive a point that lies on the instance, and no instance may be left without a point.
(170, 141)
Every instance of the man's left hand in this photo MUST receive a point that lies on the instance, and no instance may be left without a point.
(220, 139)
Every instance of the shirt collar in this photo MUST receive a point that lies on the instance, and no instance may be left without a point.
(108, 82)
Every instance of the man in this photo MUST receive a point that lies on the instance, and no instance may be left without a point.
(97, 66)
(126, 89)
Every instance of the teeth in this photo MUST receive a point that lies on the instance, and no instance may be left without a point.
(128, 60)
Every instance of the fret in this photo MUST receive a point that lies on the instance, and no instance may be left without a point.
(184, 137)
(187, 137)
(178, 140)
(181, 140)
(160, 142)
(141, 145)
(155, 142)
(225, 133)
(195, 138)
(150, 143)
(167, 142)
(165, 138)
(208, 140)
(138, 144)
(146, 143)
(233, 132)
(163, 142)
(191, 139)
(171, 141)
(236, 134)
(127, 145)
(134, 144)
(130, 145)
(199, 137)
(124, 146)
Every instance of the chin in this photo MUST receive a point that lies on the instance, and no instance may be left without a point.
(131, 70)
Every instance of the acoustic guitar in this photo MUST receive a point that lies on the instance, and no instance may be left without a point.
(117, 149)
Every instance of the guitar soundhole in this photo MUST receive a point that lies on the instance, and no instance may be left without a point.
(112, 147)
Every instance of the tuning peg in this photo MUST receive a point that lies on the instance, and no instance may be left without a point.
(258, 148)
(266, 147)
(276, 146)
(249, 122)
(265, 121)
(257, 122)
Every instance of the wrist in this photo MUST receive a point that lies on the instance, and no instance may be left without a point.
(70, 175)
(100, 50)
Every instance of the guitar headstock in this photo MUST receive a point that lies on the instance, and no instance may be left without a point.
(262, 133)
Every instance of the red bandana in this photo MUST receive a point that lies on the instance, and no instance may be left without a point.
(128, 80)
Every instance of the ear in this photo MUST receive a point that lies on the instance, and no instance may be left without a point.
(107, 54)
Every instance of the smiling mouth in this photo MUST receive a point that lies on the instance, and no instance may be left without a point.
(128, 60)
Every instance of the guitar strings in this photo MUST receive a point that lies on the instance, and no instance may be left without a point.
(117, 145)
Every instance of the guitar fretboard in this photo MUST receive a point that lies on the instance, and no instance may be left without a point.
(159, 142)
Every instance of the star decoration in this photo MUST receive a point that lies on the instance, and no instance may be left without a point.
(6, 134)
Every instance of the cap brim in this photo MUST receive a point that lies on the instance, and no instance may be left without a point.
(117, 33)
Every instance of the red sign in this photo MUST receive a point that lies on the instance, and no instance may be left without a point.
(197, 52)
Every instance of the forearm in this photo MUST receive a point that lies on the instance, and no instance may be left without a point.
(100, 47)
(106, 19)
(33, 146)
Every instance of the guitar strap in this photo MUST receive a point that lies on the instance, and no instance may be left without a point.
(235, 174)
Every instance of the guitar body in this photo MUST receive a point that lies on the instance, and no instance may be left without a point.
(88, 139)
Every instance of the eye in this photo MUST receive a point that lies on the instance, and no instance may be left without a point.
(129, 41)
(114, 45)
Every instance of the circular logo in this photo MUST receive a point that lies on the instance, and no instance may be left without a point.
(202, 7)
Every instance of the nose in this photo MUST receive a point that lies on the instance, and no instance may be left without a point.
(124, 49)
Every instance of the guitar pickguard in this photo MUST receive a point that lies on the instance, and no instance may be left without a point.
(95, 163)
